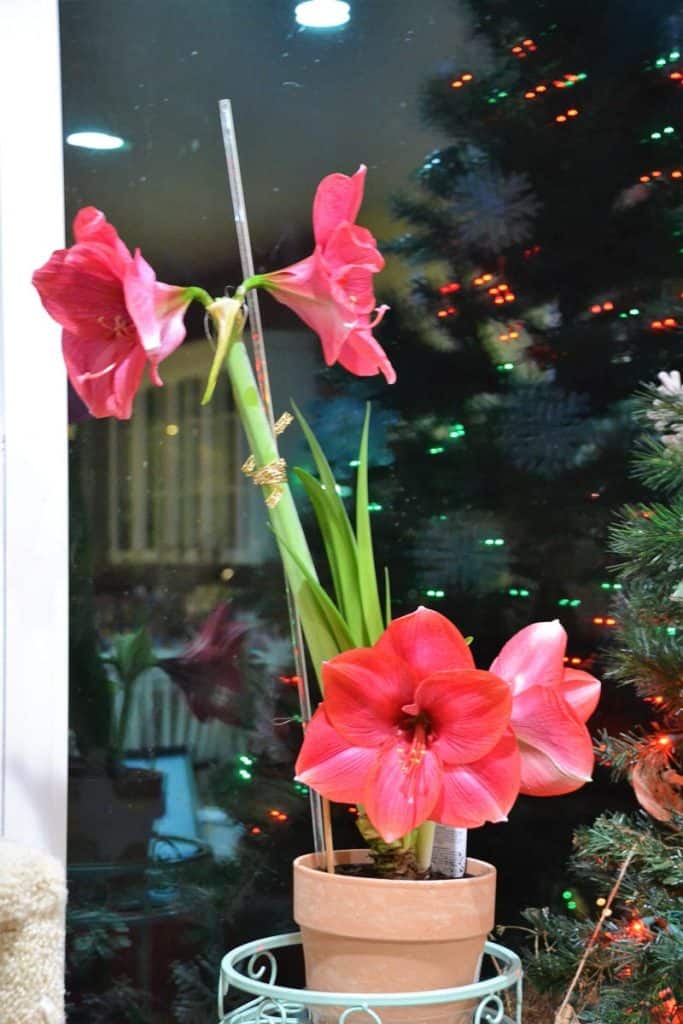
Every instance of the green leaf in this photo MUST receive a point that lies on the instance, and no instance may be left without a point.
(132, 654)
(325, 612)
(367, 574)
(341, 555)
(338, 537)
(387, 597)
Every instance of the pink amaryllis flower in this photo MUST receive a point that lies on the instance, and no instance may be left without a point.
(332, 290)
(207, 670)
(117, 318)
(413, 731)
(550, 704)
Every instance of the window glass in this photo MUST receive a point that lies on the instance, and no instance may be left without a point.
(525, 254)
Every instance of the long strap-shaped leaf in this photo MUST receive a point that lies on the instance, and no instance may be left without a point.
(367, 574)
(337, 531)
(342, 561)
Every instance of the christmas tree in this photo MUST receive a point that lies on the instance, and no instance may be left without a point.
(628, 964)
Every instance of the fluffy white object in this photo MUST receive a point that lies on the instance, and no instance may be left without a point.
(32, 902)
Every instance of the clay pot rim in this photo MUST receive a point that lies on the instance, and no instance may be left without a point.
(362, 855)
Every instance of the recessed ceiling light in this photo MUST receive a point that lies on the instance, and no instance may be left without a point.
(322, 13)
(94, 140)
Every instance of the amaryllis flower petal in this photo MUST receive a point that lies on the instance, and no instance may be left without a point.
(332, 289)
(338, 198)
(533, 657)
(427, 641)
(468, 712)
(330, 765)
(581, 691)
(364, 695)
(483, 791)
(91, 225)
(116, 316)
(361, 355)
(401, 789)
(546, 725)
(104, 379)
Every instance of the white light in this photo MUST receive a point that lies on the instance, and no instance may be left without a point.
(322, 13)
(94, 140)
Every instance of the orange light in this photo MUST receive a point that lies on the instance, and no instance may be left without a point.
(576, 661)
(598, 621)
(656, 325)
(516, 49)
(558, 84)
(487, 277)
(467, 77)
(290, 680)
(478, 280)
(560, 118)
(514, 334)
(664, 741)
(493, 291)
(608, 306)
(656, 174)
(670, 322)
(644, 178)
(273, 813)
(504, 287)
(573, 112)
(499, 300)
(596, 309)
(676, 75)
(658, 700)
(441, 314)
(527, 42)
(456, 85)
(529, 95)
(352, 810)
(448, 289)
(677, 174)
(510, 297)
(541, 88)
(255, 831)
(610, 622)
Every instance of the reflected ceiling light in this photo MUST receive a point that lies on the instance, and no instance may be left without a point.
(94, 140)
(322, 13)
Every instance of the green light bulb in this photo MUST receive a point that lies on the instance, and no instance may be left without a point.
(669, 130)
(571, 905)
(567, 894)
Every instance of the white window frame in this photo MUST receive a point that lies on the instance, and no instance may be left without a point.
(33, 460)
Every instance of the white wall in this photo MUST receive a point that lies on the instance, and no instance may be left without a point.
(33, 470)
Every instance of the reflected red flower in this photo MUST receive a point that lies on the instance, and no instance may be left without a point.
(413, 731)
(208, 670)
(332, 289)
(116, 317)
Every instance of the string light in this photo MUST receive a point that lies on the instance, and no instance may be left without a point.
(505, 367)
(515, 592)
(569, 602)
(533, 251)
(572, 112)
(605, 307)
(290, 680)
(374, 506)
(449, 288)
(458, 83)
(457, 430)
(450, 311)
(436, 450)
(524, 48)
(435, 593)
(483, 279)
(496, 542)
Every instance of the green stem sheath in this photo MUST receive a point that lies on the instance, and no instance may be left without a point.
(284, 517)
(424, 845)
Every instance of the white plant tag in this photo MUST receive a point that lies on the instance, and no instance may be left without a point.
(449, 856)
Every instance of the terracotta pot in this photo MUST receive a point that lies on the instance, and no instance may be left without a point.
(386, 935)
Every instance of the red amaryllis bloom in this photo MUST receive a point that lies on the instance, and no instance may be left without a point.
(331, 290)
(550, 704)
(413, 731)
(208, 671)
(117, 317)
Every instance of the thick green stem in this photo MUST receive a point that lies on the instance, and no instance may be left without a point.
(424, 845)
(263, 444)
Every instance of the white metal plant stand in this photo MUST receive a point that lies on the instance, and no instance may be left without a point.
(252, 969)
